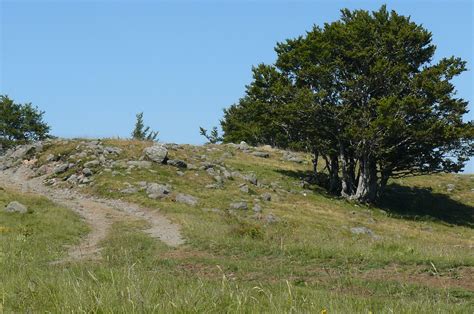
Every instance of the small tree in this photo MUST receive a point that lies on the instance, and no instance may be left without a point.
(142, 133)
(20, 123)
(213, 137)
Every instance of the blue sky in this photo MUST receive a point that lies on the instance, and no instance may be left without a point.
(92, 65)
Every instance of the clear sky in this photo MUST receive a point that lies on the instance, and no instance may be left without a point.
(92, 65)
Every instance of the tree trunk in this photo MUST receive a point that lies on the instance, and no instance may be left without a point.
(315, 163)
(334, 181)
(348, 173)
(384, 176)
(367, 186)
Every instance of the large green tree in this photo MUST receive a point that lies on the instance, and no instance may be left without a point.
(20, 123)
(375, 104)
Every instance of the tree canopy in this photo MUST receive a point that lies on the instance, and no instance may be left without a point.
(20, 123)
(364, 94)
(142, 132)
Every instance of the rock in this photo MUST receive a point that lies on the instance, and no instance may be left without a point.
(244, 188)
(113, 150)
(92, 163)
(87, 172)
(257, 208)
(60, 168)
(155, 190)
(129, 190)
(41, 171)
(180, 173)
(239, 205)
(244, 146)
(16, 207)
(141, 164)
(364, 230)
(266, 197)
(270, 218)
(156, 153)
(73, 178)
(261, 154)
(450, 187)
(186, 199)
(177, 163)
(50, 158)
(293, 157)
(252, 178)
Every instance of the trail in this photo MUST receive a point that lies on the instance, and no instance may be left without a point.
(98, 213)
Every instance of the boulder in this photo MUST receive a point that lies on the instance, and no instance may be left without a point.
(92, 163)
(252, 178)
(244, 188)
(239, 205)
(60, 168)
(156, 153)
(187, 199)
(261, 154)
(266, 197)
(244, 146)
(16, 207)
(87, 172)
(177, 163)
(141, 164)
(155, 190)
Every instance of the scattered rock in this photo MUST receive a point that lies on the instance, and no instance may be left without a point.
(291, 156)
(87, 172)
(244, 146)
(261, 154)
(129, 190)
(177, 163)
(266, 197)
(92, 163)
(257, 208)
(239, 205)
(186, 199)
(450, 187)
(141, 164)
(16, 207)
(244, 188)
(155, 190)
(252, 178)
(60, 168)
(270, 218)
(364, 230)
(156, 153)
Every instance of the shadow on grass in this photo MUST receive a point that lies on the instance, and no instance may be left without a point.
(422, 204)
(406, 202)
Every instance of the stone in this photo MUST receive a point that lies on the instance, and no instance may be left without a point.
(177, 163)
(364, 230)
(261, 154)
(50, 158)
(156, 153)
(187, 199)
(41, 171)
(266, 197)
(60, 168)
(113, 150)
(244, 146)
(16, 207)
(252, 178)
(239, 205)
(257, 208)
(73, 178)
(129, 190)
(141, 164)
(244, 188)
(155, 190)
(92, 163)
(293, 157)
(87, 172)
(180, 173)
(270, 218)
(450, 187)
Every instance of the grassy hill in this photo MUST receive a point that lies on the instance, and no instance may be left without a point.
(300, 251)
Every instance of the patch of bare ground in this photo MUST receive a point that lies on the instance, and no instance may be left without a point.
(98, 213)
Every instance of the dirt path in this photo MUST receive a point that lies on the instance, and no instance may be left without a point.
(98, 213)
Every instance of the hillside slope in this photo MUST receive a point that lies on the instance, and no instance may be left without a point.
(257, 236)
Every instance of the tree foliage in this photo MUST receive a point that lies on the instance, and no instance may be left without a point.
(212, 137)
(142, 133)
(20, 123)
(364, 94)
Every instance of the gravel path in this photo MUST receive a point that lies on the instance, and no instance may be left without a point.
(98, 213)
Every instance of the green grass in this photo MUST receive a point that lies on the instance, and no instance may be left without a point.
(306, 262)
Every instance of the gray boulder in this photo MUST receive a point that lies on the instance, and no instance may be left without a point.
(239, 205)
(16, 207)
(187, 199)
(92, 163)
(261, 154)
(87, 172)
(244, 188)
(266, 197)
(141, 164)
(244, 146)
(155, 190)
(156, 153)
(364, 230)
(252, 178)
(60, 168)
